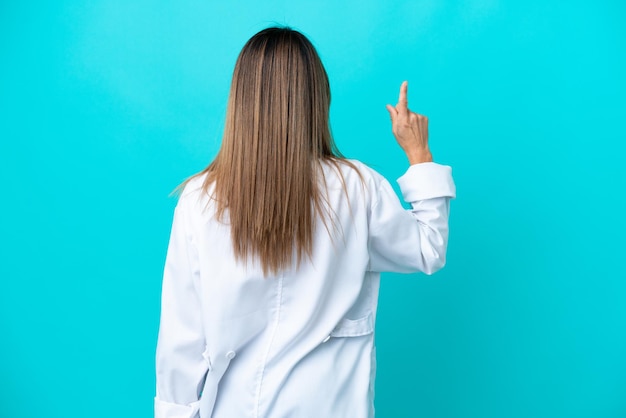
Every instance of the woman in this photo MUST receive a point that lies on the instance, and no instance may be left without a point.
(272, 273)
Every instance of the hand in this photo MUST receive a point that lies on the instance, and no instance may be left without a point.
(410, 129)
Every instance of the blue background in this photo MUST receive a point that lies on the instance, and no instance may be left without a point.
(105, 106)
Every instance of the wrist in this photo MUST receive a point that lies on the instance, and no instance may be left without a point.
(419, 157)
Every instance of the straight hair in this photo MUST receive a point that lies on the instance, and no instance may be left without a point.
(266, 176)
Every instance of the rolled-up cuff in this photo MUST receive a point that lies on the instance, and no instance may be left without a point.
(427, 181)
(164, 409)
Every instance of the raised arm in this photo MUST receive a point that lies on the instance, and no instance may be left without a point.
(417, 239)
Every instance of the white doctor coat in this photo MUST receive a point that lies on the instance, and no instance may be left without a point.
(234, 344)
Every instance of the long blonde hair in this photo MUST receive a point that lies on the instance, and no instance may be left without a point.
(277, 131)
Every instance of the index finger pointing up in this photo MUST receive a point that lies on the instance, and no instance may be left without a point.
(403, 102)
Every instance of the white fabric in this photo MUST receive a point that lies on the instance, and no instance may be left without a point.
(234, 344)
(171, 410)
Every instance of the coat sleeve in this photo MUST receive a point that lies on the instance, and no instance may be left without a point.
(180, 365)
(406, 241)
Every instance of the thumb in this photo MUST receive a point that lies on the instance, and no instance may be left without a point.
(392, 112)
